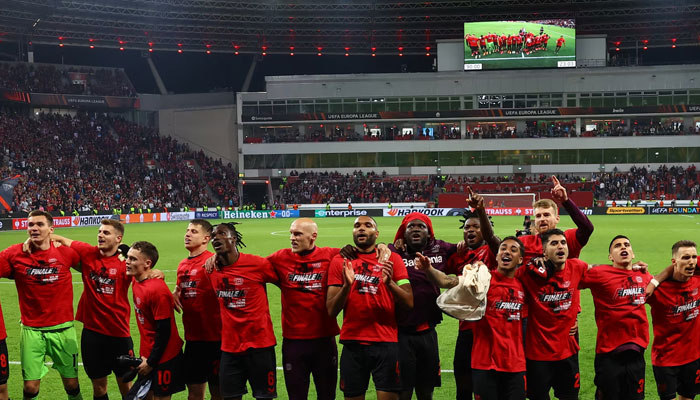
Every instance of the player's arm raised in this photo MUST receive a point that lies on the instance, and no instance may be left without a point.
(476, 201)
(584, 225)
(338, 295)
(439, 278)
(402, 291)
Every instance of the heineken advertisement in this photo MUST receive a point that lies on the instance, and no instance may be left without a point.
(258, 214)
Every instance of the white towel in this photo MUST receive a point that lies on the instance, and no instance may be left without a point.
(467, 300)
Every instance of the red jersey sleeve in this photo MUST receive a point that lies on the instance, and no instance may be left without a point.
(400, 272)
(267, 272)
(5, 267)
(81, 248)
(572, 243)
(335, 272)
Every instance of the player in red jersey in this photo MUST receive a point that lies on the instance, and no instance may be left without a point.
(160, 345)
(45, 291)
(547, 218)
(498, 357)
(104, 306)
(675, 308)
(195, 297)
(481, 244)
(553, 303)
(560, 42)
(368, 292)
(623, 330)
(247, 340)
(308, 345)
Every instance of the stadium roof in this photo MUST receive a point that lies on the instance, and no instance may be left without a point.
(330, 27)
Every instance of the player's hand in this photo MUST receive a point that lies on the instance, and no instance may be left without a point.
(27, 246)
(349, 252)
(400, 245)
(640, 266)
(387, 271)
(558, 191)
(422, 262)
(144, 368)
(210, 265)
(475, 200)
(574, 329)
(348, 272)
(462, 248)
(176, 299)
(157, 274)
(649, 290)
(383, 253)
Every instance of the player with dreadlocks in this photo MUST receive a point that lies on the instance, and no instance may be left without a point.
(247, 341)
(482, 245)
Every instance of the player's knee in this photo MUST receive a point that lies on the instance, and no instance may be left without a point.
(30, 395)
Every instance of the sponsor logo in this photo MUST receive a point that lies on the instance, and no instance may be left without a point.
(626, 210)
(675, 210)
(260, 214)
(509, 211)
(91, 220)
(180, 216)
(339, 213)
(206, 214)
(431, 212)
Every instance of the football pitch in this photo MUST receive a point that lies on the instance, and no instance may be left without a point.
(537, 59)
(651, 237)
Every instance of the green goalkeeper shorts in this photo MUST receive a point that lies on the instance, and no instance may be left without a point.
(61, 344)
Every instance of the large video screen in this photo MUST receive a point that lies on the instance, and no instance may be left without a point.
(547, 43)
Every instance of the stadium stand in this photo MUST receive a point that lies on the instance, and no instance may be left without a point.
(639, 183)
(85, 163)
(49, 78)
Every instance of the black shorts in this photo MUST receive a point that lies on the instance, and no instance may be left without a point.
(620, 375)
(462, 364)
(100, 353)
(496, 385)
(683, 379)
(202, 362)
(169, 377)
(4, 363)
(257, 366)
(303, 358)
(419, 359)
(562, 375)
(358, 361)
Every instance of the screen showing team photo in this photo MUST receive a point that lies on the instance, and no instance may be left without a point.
(547, 43)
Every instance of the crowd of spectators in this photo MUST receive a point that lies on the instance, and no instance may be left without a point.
(88, 163)
(291, 135)
(641, 183)
(358, 187)
(47, 78)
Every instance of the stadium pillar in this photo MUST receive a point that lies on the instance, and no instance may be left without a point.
(462, 129)
(578, 127)
(688, 122)
(156, 76)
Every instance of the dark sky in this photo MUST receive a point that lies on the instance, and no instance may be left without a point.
(199, 72)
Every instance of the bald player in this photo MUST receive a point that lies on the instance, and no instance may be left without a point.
(308, 345)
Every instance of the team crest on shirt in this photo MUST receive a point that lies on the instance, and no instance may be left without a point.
(238, 281)
(686, 305)
(112, 271)
(304, 277)
(631, 291)
(52, 260)
(232, 296)
(638, 279)
(193, 272)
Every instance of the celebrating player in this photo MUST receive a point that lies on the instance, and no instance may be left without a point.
(547, 218)
(201, 318)
(553, 302)
(308, 345)
(419, 355)
(623, 330)
(104, 306)
(247, 340)
(560, 42)
(675, 307)
(45, 291)
(368, 292)
(161, 347)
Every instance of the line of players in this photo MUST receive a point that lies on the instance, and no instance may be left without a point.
(525, 43)
(389, 312)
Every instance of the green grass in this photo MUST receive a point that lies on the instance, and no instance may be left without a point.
(651, 236)
(538, 59)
